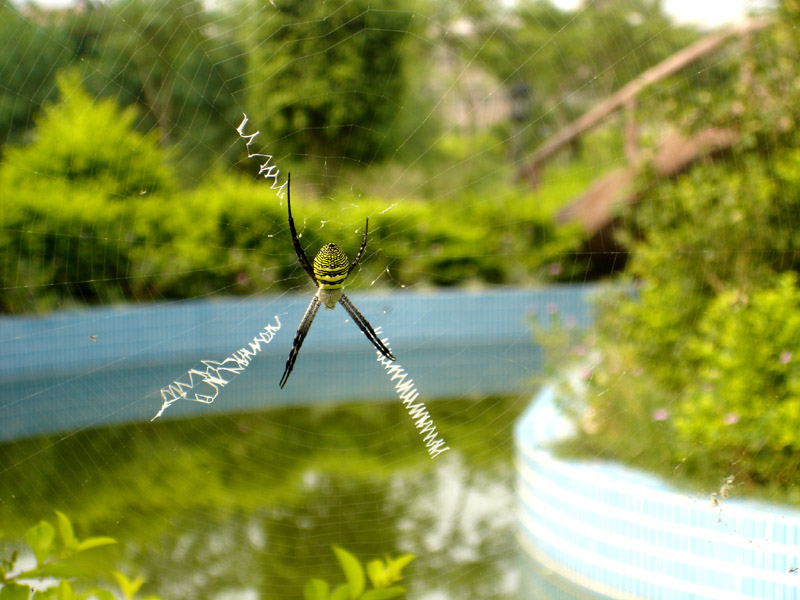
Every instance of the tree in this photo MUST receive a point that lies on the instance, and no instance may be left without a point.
(326, 80)
(177, 61)
(570, 60)
(28, 64)
(698, 367)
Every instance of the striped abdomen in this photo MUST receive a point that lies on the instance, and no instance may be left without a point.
(331, 267)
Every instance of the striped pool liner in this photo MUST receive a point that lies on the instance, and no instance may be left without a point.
(621, 533)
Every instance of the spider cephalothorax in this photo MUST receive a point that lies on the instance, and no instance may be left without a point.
(329, 271)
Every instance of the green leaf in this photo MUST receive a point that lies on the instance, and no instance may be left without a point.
(102, 595)
(65, 591)
(375, 572)
(128, 587)
(94, 542)
(341, 593)
(382, 574)
(14, 591)
(65, 529)
(316, 589)
(384, 593)
(395, 566)
(352, 570)
(40, 539)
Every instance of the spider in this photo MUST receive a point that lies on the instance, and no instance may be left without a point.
(329, 271)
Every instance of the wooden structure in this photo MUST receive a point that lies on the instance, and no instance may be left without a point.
(595, 208)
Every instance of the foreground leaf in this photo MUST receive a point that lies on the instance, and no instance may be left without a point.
(94, 542)
(40, 539)
(128, 587)
(341, 593)
(352, 570)
(316, 589)
(14, 591)
(65, 529)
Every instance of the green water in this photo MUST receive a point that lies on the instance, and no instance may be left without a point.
(248, 505)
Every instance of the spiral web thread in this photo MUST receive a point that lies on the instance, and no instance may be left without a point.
(407, 392)
(214, 374)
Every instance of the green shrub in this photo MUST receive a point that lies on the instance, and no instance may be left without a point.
(744, 400)
(62, 244)
(694, 371)
(89, 141)
(95, 216)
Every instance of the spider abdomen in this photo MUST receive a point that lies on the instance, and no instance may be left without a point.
(331, 267)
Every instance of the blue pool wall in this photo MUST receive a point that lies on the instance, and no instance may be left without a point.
(102, 366)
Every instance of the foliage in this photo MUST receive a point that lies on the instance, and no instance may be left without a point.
(567, 61)
(28, 65)
(230, 236)
(745, 399)
(58, 562)
(68, 234)
(346, 62)
(89, 142)
(695, 370)
(162, 59)
(382, 575)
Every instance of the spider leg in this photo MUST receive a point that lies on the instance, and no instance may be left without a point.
(361, 250)
(298, 249)
(364, 326)
(302, 330)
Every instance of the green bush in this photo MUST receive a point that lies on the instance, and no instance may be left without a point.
(88, 141)
(230, 236)
(95, 216)
(744, 401)
(62, 244)
(699, 339)
(693, 373)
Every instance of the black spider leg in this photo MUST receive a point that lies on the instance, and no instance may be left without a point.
(361, 250)
(364, 326)
(302, 330)
(298, 249)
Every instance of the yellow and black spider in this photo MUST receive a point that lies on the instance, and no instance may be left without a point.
(329, 272)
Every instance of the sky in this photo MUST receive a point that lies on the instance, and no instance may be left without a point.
(707, 13)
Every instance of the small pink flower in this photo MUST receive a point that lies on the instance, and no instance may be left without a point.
(731, 418)
(242, 278)
(555, 269)
(786, 356)
(660, 414)
(570, 321)
(552, 308)
(579, 350)
(585, 373)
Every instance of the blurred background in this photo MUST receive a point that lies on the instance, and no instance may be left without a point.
(601, 188)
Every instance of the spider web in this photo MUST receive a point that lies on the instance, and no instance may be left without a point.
(160, 261)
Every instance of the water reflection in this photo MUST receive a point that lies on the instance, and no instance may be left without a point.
(248, 506)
